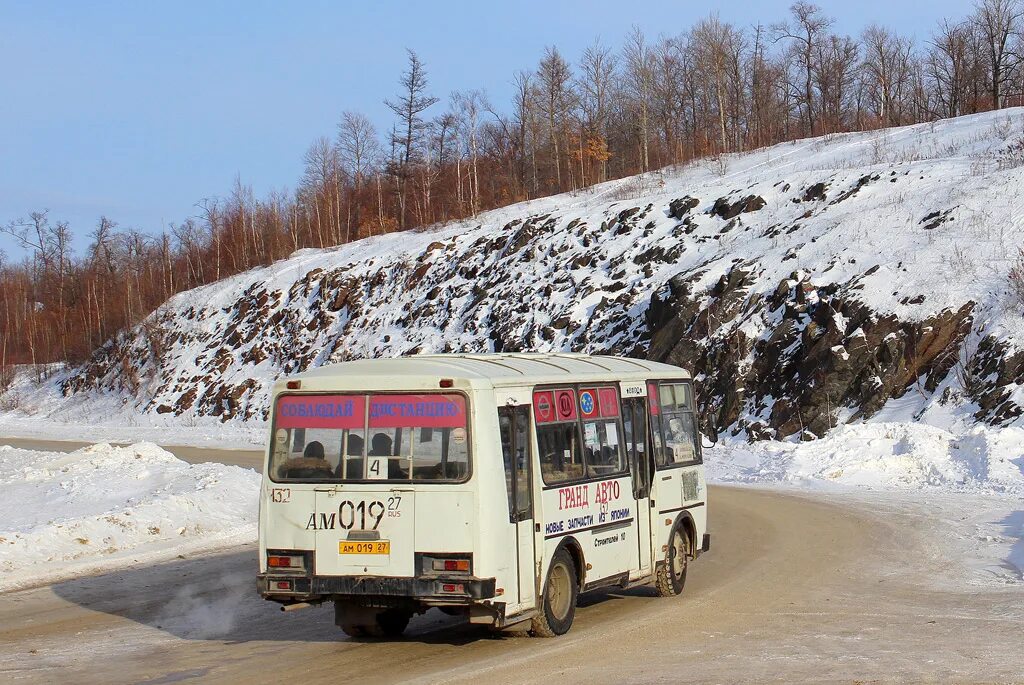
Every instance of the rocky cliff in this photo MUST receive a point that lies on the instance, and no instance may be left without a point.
(810, 284)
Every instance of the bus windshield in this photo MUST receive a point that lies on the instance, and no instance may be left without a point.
(384, 437)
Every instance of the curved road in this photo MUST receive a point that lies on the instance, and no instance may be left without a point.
(794, 589)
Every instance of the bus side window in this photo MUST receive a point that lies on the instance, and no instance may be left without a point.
(521, 465)
(561, 458)
(505, 430)
(514, 429)
(674, 426)
(635, 426)
(603, 448)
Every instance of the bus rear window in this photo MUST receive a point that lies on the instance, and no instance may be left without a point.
(390, 438)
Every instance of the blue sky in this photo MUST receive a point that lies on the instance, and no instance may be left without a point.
(139, 110)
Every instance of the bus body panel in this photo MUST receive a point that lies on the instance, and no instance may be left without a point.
(602, 517)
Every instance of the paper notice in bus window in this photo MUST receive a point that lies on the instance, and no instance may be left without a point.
(590, 433)
(612, 432)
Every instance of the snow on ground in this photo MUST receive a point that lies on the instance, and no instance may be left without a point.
(104, 507)
(969, 486)
(121, 428)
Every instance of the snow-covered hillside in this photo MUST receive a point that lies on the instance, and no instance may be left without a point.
(809, 284)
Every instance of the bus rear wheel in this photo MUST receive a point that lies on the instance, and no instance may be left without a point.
(672, 572)
(560, 592)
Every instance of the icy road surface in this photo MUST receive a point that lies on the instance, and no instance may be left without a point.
(863, 587)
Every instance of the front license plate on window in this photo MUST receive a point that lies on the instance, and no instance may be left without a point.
(371, 547)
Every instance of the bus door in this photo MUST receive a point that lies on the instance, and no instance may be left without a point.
(634, 422)
(514, 424)
(677, 480)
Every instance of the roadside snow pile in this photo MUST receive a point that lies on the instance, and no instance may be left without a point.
(104, 507)
(902, 456)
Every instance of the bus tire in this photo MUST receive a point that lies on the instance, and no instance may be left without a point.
(558, 607)
(671, 575)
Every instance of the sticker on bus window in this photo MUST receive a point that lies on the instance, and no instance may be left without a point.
(417, 411)
(565, 405)
(652, 399)
(320, 411)
(609, 401)
(588, 404)
(459, 435)
(544, 406)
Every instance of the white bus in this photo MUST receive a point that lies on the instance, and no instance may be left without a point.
(498, 486)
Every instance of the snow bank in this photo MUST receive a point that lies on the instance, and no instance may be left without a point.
(104, 507)
(966, 489)
(904, 456)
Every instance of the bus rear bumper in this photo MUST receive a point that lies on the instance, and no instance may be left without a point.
(429, 589)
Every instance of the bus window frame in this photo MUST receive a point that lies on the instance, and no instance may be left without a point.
(699, 459)
(575, 387)
(366, 427)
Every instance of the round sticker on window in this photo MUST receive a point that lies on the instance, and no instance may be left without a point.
(543, 407)
(282, 435)
(459, 435)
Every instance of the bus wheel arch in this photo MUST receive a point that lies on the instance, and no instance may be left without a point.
(685, 521)
(575, 550)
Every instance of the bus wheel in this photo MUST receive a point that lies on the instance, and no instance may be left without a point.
(560, 592)
(393, 622)
(672, 573)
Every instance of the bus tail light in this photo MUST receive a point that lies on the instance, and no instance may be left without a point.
(461, 564)
(453, 588)
(280, 561)
(458, 565)
(285, 585)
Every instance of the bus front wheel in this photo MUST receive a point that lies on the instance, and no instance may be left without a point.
(672, 572)
(560, 593)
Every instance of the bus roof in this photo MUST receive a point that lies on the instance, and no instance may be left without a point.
(498, 369)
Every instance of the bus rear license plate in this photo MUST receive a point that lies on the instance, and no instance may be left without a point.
(368, 547)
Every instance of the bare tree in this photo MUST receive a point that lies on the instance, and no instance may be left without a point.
(409, 106)
(555, 98)
(596, 83)
(998, 22)
(887, 67)
(718, 46)
(359, 151)
(470, 105)
(949, 66)
(805, 32)
(638, 79)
